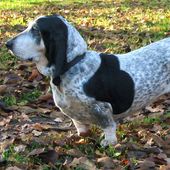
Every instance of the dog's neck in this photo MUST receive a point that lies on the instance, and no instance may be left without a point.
(68, 66)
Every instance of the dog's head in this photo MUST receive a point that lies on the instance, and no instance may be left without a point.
(50, 42)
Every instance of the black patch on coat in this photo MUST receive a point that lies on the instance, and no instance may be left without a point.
(54, 33)
(110, 84)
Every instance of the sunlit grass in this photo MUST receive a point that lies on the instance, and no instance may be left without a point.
(18, 4)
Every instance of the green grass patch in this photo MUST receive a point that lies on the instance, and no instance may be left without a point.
(18, 4)
(11, 155)
(29, 97)
(110, 151)
(9, 100)
(25, 98)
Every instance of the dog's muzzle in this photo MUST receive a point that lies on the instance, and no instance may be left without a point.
(9, 44)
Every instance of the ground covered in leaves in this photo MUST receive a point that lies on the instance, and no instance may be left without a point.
(33, 132)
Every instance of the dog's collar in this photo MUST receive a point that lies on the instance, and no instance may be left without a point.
(57, 80)
(73, 62)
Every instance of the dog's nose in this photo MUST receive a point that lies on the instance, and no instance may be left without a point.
(9, 44)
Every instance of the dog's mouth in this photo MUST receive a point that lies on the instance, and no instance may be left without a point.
(19, 57)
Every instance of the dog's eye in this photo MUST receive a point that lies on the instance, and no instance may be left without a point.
(35, 28)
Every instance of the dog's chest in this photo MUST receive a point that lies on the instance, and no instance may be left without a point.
(70, 97)
(72, 103)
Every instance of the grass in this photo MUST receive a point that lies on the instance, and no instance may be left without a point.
(23, 99)
(11, 155)
(29, 97)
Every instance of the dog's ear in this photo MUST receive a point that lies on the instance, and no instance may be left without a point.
(54, 34)
(76, 44)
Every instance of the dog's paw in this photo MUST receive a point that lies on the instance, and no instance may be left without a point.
(106, 142)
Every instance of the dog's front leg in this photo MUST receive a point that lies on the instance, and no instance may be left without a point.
(110, 135)
(58, 96)
(103, 114)
(82, 129)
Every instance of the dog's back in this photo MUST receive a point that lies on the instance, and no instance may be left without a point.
(149, 68)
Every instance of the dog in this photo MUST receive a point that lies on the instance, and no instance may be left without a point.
(88, 86)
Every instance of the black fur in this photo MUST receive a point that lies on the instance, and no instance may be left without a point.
(110, 84)
(54, 33)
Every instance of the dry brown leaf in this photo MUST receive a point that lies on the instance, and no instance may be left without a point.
(46, 97)
(156, 128)
(165, 167)
(25, 117)
(13, 168)
(106, 162)
(27, 110)
(36, 133)
(158, 140)
(26, 128)
(81, 141)
(37, 126)
(3, 89)
(34, 75)
(36, 152)
(11, 79)
(146, 165)
(20, 148)
(58, 120)
(6, 121)
(160, 160)
(50, 156)
(40, 127)
(75, 153)
(5, 144)
(83, 162)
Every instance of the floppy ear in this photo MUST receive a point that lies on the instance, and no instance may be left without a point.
(57, 52)
(76, 45)
(54, 34)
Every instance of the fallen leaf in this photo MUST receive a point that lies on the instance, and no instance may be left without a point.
(46, 97)
(3, 89)
(35, 73)
(158, 140)
(11, 79)
(75, 153)
(4, 108)
(25, 117)
(6, 121)
(36, 152)
(13, 168)
(81, 141)
(158, 160)
(26, 128)
(27, 110)
(82, 162)
(36, 133)
(5, 144)
(106, 162)
(37, 126)
(125, 162)
(146, 165)
(50, 156)
(58, 120)
(156, 128)
(20, 148)
(165, 167)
